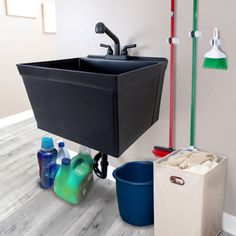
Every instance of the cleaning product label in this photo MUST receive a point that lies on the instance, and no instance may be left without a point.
(84, 186)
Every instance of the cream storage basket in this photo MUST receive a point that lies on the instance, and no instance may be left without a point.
(188, 204)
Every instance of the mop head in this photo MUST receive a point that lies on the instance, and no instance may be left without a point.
(215, 63)
(215, 58)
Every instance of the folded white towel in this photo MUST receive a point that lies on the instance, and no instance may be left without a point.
(193, 161)
(203, 168)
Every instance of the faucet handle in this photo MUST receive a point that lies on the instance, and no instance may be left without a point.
(125, 51)
(109, 49)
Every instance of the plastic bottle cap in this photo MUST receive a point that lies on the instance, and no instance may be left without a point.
(47, 143)
(65, 161)
(61, 144)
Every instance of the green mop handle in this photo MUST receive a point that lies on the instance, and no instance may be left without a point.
(194, 64)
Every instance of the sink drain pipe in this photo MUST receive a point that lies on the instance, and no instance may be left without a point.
(104, 164)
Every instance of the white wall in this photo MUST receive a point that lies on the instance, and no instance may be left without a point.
(21, 40)
(146, 23)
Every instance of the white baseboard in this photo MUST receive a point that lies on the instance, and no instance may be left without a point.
(229, 221)
(109, 173)
(10, 120)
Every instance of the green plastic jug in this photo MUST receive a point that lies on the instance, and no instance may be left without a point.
(74, 178)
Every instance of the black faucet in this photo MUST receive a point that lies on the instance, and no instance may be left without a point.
(101, 29)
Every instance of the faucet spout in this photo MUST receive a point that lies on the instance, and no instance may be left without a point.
(101, 29)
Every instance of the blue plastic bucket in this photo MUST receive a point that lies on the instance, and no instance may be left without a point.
(134, 189)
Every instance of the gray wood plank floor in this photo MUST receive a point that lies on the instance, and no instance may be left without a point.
(26, 209)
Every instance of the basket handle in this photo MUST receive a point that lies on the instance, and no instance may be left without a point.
(177, 180)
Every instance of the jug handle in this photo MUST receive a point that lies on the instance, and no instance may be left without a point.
(77, 163)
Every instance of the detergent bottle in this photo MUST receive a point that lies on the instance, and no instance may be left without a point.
(73, 179)
(47, 162)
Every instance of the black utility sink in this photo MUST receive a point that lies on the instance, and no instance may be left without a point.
(103, 104)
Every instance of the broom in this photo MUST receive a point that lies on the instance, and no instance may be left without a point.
(194, 34)
(163, 151)
(215, 59)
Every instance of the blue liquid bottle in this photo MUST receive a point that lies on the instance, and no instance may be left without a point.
(47, 163)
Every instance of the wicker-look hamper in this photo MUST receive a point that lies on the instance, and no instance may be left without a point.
(193, 206)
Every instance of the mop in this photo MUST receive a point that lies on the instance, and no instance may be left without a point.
(194, 34)
(215, 58)
(163, 151)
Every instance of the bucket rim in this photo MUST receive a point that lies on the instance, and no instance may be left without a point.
(130, 182)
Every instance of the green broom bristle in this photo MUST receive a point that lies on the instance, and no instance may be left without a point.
(215, 63)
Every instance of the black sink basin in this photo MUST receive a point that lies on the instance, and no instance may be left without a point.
(93, 65)
(103, 104)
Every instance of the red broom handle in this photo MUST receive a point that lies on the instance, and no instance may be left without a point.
(172, 34)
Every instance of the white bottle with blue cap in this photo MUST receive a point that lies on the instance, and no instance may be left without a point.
(62, 153)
